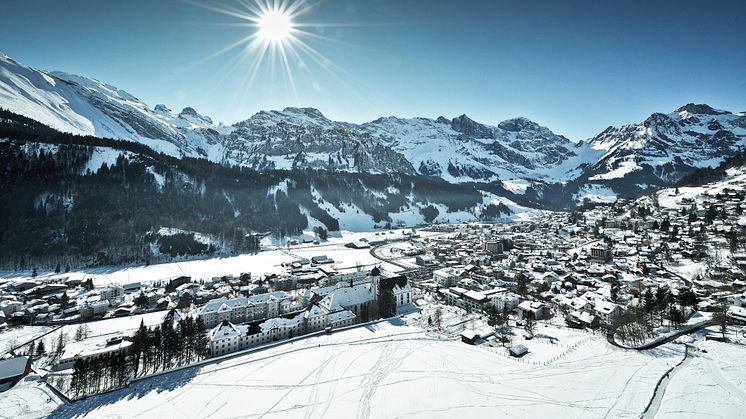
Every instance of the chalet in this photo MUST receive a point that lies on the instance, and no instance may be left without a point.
(471, 336)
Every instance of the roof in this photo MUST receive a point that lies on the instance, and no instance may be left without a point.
(93, 346)
(225, 330)
(340, 316)
(348, 296)
(217, 304)
(12, 367)
(518, 349)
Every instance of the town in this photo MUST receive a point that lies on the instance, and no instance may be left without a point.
(639, 271)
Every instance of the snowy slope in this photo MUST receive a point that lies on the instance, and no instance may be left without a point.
(672, 144)
(456, 150)
(85, 106)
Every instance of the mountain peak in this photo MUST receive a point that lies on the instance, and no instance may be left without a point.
(517, 124)
(311, 112)
(702, 109)
(189, 112)
(468, 126)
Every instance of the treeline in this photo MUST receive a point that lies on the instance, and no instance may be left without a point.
(153, 349)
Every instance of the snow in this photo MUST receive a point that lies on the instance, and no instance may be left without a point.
(623, 169)
(711, 384)
(595, 193)
(101, 156)
(517, 186)
(269, 261)
(29, 398)
(395, 371)
(16, 335)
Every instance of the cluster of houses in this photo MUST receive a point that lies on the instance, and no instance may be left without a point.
(589, 267)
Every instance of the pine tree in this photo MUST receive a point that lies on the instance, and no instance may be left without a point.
(40, 350)
(202, 342)
(521, 288)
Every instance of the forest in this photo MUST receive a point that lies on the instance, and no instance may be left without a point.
(59, 213)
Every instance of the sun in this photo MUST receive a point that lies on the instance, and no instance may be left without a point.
(275, 26)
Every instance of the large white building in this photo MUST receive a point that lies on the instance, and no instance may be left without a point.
(248, 309)
(228, 337)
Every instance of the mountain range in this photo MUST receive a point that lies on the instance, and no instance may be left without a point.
(517, 154)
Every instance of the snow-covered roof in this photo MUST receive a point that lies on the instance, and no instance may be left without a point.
(348, 296)
(225, 330)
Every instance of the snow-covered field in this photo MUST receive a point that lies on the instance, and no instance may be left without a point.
(712, 384)
(11, 336)
(269, 261)
(394, 371)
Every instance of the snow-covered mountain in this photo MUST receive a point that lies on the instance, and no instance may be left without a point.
(665, 147)
(457, 150)
(517, 153)
(85, 106)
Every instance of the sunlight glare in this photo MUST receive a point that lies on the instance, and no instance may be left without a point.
(275, 26)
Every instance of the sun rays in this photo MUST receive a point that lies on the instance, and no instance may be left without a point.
(280, 45)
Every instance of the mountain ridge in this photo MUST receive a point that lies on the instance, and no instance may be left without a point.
(517, 153)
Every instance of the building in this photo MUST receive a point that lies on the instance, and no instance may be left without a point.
(533, 309)
(112, 294)
(494, 247)
(471, 336)
(93, 308)
(228, 337)
(600, 253)
(518, 350)
(247, 309)
(448, 277)
(91, 349)
(606, 311)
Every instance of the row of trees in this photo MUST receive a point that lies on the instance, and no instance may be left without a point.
(165, 346)
(153, 349)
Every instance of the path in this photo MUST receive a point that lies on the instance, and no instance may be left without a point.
(660, 389)
(659, 341)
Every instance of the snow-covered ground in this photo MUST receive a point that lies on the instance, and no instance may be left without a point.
(394, 371)
(269, 261)
(11, 336)
(711, 384)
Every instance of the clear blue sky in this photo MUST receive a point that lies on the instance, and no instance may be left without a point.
(574, 66)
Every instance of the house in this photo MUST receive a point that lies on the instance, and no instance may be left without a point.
(321, 259)
(471, 336)
(518, 350)
(606, 311)
(448, 277)
(533, 309)
(600, 253)
(93, 308)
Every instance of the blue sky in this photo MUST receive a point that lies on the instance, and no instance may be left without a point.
(574, 66)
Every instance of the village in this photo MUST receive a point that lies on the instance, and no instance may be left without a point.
(639, 272)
